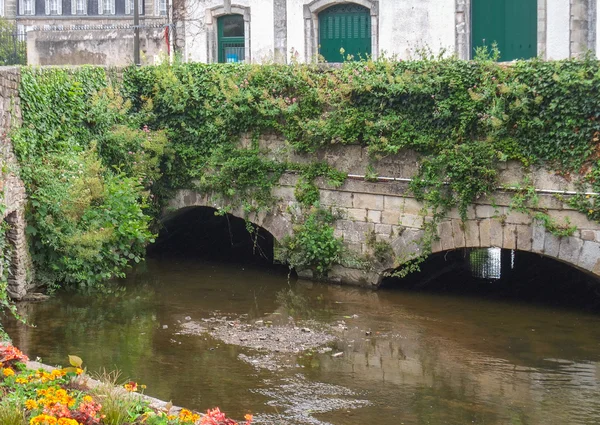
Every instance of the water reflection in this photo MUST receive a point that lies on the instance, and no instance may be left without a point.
(418, 359)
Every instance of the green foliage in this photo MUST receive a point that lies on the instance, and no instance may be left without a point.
(12, 412)
(13, 46)
(382, 251)
(313, 245)
(86, 195)
(306, 191)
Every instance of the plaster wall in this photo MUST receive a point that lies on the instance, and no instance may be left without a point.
(558, 29)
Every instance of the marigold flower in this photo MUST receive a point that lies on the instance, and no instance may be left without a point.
(8, 372)
(31, 404)
(67, 421)
(187, 416)
(87, 398)
(43, 420)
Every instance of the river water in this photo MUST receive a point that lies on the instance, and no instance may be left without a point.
(409, 358)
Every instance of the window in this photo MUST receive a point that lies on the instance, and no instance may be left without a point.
(53, 7)
(1, 7)
(160, 7)
(129, 7)
(106, 7)
(345, 32)
(27, 7)
(79, 7)
(511, 24)
(231, 34)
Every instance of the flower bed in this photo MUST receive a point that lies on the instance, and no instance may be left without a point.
(65, 397)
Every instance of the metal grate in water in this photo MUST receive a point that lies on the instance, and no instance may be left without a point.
(486, 263)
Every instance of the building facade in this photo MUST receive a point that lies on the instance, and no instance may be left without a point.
(333, 30)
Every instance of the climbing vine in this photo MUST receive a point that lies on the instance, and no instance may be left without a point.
(96, 154)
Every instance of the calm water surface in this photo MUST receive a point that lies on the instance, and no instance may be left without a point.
(430, 359)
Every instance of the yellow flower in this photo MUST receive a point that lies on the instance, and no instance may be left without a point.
(43, 420)
(79, 371)
(88, 399)
(187, 416)
(8, 372)
(31, 404)
(67, 421)
(21, 381)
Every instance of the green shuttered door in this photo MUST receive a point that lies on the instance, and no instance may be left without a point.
(346, 26)
(510, 23)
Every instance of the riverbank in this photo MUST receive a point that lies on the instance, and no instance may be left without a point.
(37, 394)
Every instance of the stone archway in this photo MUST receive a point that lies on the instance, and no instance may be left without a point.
(277, 221)
(311, 24)
(211, 16)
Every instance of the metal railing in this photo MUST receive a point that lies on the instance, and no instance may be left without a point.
(13, 47)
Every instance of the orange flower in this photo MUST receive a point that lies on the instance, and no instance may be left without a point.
(31, 404)
(131, 386)
(8, 372)
(43, 420)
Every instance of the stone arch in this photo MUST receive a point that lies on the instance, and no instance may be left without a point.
(277, 222)
(463, 25)
(581, 250)
(211, 16)
(311, 24)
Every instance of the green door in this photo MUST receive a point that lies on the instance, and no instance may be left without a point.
(232, 46)
(344, 26)
(510, 23)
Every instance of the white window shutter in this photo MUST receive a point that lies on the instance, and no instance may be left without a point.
(21, 7)
(59, 7)
(100, 7)
(32, 6)
(47, 3)
(73, 7)
(141, 6)
(1, 7)
(156, 7)
(112, 7)
(128, 7)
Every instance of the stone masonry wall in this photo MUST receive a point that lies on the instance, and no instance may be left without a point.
(12, 190)
(386, 210)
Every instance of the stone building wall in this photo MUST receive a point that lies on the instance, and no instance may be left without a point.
(12, 189)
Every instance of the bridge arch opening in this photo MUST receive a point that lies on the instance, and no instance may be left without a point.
(502, 274)
(204, 233)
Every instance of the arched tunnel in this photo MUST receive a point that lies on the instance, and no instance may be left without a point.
(504, 274)
(204, 233)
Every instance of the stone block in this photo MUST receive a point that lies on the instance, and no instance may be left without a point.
(405, 205)
(589, 256)
(368, 201)
(454, 213)
(524, 237)
(446, 235)
(515, 217)
(485, 230)
(384, 229)
(538, 236)
(374, 216)
(570, 248)
(472, 234)
(436, 245)
(284, 193)
(356, 214)
(458, 234)
(336, 198)
(391, 217)
(488, 211)
(407, 245)
(414, 221)
(551, 245)
(509, 238)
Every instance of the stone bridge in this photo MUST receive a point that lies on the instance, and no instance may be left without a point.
(386, 209)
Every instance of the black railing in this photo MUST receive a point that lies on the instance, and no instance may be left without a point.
(13, 48)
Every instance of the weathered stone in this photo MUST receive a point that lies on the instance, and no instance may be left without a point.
(458, 234)
(408, 206)
(383, 229)
(374, 216)
(509, 239)
(335, 198)
(391, 217)
(538, 236)
(446, 235)
(414, 221)
(551, 245)
(589, 256)
(570, 248)
(364, 200)
(485, 237)
(524, 237)
(488, 211)
(496, 233)
(357, 214)
(515, 217)
(472, 234)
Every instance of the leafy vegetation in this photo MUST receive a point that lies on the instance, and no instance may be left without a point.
(63, 397)
(100, 156)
